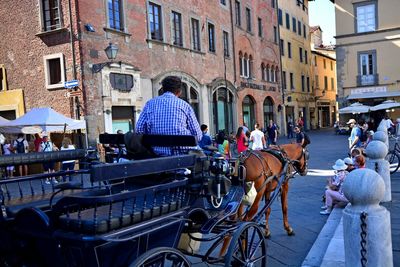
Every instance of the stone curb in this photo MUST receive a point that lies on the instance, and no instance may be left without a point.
(315, 256)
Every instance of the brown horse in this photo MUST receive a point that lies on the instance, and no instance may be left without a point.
(265, 169)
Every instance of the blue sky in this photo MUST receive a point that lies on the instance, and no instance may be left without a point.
(322, 13)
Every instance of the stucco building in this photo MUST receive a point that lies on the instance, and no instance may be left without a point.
(324, 85)
(367, 49)
(226, 52)
(296, 60)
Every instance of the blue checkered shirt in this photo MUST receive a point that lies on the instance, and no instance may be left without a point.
(168, 115)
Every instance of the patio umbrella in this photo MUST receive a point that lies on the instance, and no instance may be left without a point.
(388, 104)
(355, 108)
(3, 121)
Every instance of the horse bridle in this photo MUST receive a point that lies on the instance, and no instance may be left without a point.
(296, 163)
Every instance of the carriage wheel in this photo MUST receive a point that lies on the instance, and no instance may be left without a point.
(394, 161)
(162, 256)
(248, 247)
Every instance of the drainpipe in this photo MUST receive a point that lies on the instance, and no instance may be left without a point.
(283, 119)
(233, 44)
(71, 41)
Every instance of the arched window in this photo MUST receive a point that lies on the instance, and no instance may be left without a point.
(267, 74)
(223, 110)
(268, 108)
(241, 64)
(250, 66)
(262, 72)
(248, 108)
(276, 74)
(246, 66)
(270, 71)
(273, 74)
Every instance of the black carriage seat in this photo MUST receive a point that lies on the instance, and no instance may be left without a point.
(102, 214)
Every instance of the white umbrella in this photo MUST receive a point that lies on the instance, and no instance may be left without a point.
(355, 108)
(388, 104)
(3, 121)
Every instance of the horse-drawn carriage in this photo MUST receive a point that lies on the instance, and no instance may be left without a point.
(144, 212)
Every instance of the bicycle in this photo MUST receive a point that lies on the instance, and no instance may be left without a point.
(393, 157)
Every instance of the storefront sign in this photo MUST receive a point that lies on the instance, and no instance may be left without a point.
(362, 90)
(257, 86)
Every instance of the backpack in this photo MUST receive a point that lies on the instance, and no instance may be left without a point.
(307, 139)
(20, 146)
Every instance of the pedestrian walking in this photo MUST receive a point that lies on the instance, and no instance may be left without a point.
(241, 140)
(21, 146)
(257, 138)
(355, 135)
(272, 131)
(290, 128)
(8, 150)
(67, 165)
(48, 167)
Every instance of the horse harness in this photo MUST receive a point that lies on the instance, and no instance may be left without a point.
(278, 153)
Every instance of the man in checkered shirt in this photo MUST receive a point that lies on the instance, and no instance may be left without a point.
(169, 115)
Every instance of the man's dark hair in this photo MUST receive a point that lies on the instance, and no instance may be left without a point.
(203, 127)
(20, 135)
(172, 84)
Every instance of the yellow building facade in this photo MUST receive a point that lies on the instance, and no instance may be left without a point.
(296, 60)
(367, 54)
(324, 84)
(11, 101)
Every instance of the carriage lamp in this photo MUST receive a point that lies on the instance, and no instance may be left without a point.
(111, 53)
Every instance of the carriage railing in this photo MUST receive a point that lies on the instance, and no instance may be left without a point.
(102, 214)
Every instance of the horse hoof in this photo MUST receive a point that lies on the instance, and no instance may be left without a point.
(267, 234)
(290, 231)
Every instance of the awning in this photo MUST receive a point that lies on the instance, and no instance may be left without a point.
(354, 109)
(388, 104)
(373, 95)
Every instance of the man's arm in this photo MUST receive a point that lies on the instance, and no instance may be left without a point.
(141, 125)
(193, 125)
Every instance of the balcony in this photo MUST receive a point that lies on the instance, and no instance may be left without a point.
(367, 79)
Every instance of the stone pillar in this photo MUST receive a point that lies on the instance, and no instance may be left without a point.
(383, 137)
(376, 152)
(364, 189)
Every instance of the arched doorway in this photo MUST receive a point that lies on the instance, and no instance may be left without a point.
(248, 107)
(190, 95)
(268, 109)
(223, 110)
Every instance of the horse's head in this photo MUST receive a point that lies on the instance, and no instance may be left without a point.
(299, 157)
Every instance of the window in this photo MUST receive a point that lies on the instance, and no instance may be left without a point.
(276, 75)
(260, 29)
(331, 65)
(262, 71)
(304, 31)
(280, 17)
(273, 3)
(223, 2)
(51, 15)
(287, 21)
(3, 78)
(299, 27)
(275, 34)
(241, 63)
(301, 54)
(268, 108)
(308, 84)
(289, 49)
(54, 71)
(291, 81)
(115, 15)
(367, 68)
(238, 13)
(250, 67)
(324, 63)
(306, 56)
(332, 84)
(155, 22)
(294, 24)
(190, 95)
(121, 82)
(226, 43)
(177, 28)
(325, 83)
(284, 79)
(223, 105)
(302, 83)
(195, 34)
(316, 82)
(211, 37)
(248, 19)
(282, 46)
(246, 65)
(365, 17)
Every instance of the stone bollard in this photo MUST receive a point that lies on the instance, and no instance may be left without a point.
(383, 137)
(376, 152)
(368, 244)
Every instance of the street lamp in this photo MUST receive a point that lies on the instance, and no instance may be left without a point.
(111, 52)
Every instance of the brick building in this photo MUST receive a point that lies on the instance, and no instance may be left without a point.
(225, 51)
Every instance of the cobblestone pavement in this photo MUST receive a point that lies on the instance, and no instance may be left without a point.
(305, 201)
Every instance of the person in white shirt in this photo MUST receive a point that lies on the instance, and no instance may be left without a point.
(8, 150)
(257, 138)
(389, 124)
(67, 165)
(47, 146)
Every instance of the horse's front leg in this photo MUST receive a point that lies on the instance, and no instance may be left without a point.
(284, 195)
